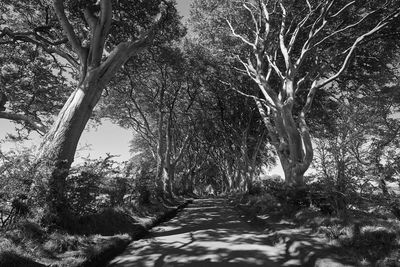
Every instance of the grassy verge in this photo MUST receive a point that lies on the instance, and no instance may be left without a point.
(95, 240)
(371, 237)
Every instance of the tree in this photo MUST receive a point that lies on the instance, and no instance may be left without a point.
(155, 100)
(32, 90)
(96, 39)
(293, 49)
(228, 129)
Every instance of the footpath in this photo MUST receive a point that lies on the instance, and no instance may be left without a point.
(211, 232)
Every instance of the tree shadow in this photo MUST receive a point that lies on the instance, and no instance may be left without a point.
(211, 233)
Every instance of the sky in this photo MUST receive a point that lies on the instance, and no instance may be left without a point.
(96, 142)
(183, 7)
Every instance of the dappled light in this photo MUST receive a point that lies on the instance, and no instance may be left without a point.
(215, 97)
(211, 232)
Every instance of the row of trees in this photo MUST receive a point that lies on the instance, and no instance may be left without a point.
(256, 79)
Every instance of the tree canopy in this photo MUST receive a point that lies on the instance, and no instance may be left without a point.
(248, 84)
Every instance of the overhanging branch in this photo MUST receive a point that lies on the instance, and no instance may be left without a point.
(32, 122)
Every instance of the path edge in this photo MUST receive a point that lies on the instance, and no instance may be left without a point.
(104, 256)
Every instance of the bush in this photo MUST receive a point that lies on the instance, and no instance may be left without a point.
(82, 192)
(18, 176)
(289, 196)
(11, 259)
(96, 185)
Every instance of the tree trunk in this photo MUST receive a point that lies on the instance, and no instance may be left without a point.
(170, 181)
(159, 182)
(291, 140)
(341, 185)
(59, 145)
(290, 170)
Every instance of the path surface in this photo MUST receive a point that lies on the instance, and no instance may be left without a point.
(210, 232)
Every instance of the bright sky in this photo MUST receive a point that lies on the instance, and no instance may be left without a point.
(184, 7)
(96, 142)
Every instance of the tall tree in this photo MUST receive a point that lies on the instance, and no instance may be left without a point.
(155, 100)
(291, 50)
(96, 39)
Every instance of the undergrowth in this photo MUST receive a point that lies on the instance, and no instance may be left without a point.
(107, 207)
(372, 236)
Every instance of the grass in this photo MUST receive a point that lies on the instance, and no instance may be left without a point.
(90, 240)
(371, 240)
(371, 236)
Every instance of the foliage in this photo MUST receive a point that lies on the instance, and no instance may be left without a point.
(143, 169)
(209, 112)
(18, 196)
(290, 51)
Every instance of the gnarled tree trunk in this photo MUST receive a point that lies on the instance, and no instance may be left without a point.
(283, 50)
(59, 145)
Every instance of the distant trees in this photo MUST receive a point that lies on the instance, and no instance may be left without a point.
(290, 51)
(227, 126)
(155, 101)
(180, 110)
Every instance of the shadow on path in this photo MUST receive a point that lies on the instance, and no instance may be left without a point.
(210, 232)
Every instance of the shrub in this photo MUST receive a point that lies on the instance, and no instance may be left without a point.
(82, 190)
(18, 175)
(290, 197)
(96, 185)
(12, 259)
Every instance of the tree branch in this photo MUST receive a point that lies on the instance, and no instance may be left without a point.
(68, 29)
(298, 27)
(90, 18)
(32, 122)
(240, 37)
(183, 148)
(126, 50)
(343, 29)
(378, 27)
(100, 32)
(282, 36)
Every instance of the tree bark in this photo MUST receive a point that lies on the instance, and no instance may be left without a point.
(59, 145)
(291, 138)
(294, 151)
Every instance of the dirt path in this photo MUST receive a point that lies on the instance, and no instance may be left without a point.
(210, 232)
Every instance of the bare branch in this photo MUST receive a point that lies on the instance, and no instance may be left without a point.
(240, 37)
(300, 82)
(271, 130)
(46, 45)
(342, 9)
(267, 102)
(62, 54)
(90, 18)
(266, 15)
(343, 29)
(126, 50)
(100, 33)
(67, 27)
(32, 122)
(282, 36)
(146, 123)
(271, 62)
(310, 98)
(251, 72)
(183, 148)
(257, 30)
(298, 27)
(378, 27)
